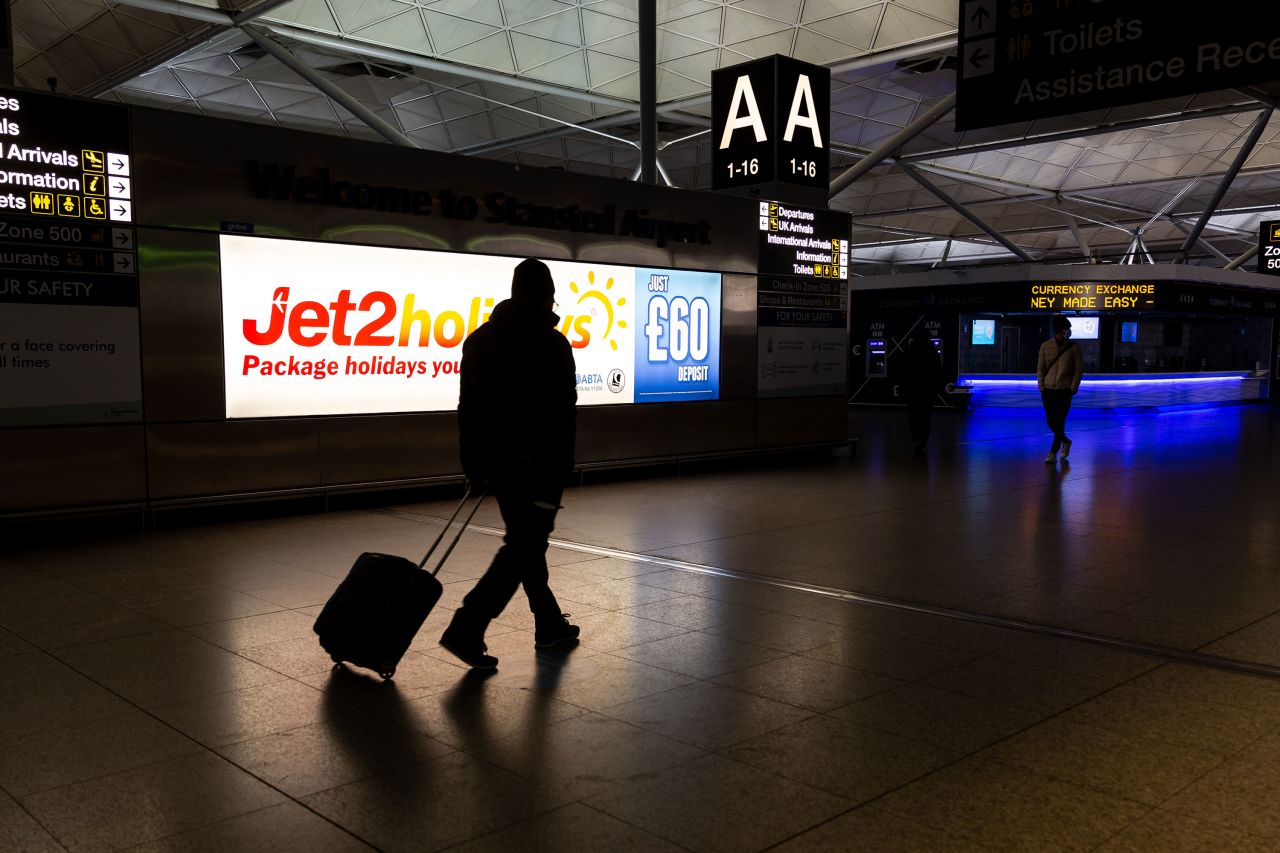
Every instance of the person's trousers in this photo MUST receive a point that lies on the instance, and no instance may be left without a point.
(1057, 402)
(529, 515)
(919, 420)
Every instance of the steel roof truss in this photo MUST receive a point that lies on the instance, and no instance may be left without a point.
(380, 126)
(966, 213)
(1075, 232)
(359, 49)
(1253, 250)
(1200, 241)
(189, 42)
(891, 145)
(1242, 155)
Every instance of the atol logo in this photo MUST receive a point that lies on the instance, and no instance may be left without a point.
(369, 321)
(593, 304)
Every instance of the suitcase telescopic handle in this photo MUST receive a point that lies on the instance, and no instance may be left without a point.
(422, 564)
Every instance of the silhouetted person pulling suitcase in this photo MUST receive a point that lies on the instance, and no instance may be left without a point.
(517, 419)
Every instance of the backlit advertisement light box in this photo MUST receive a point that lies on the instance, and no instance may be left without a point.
(314, 328)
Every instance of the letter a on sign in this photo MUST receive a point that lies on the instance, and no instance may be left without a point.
(742, 92)
(804, 97)
(757, 139)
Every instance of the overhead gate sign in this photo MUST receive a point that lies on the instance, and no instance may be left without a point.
(1030, 59)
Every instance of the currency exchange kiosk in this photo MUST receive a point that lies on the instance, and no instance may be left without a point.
(1151, 336)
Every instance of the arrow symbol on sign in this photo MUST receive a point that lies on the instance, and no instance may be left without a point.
(978, 58)
(124, 263)
(122, 238)
(119, 187)
(980, 16)
(120, 210)
(118, 163)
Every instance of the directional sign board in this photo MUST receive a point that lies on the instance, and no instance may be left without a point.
(797, 241)
(802, 300)
(69, 342)
(1029, 59)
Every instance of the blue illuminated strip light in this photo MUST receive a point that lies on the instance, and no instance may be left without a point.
(1165, 379)
(1153, 390)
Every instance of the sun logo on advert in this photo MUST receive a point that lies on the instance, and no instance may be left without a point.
(605, 303)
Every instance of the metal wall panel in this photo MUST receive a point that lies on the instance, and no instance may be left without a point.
(379, 448)
(738, 338)
(615, 433)
(796, 421)
(181, 326)
(230, 457)
(65, 467)
(191, 176)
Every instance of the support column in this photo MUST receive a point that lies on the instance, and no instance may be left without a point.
(648, 91)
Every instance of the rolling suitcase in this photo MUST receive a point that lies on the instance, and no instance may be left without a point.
(374, 614)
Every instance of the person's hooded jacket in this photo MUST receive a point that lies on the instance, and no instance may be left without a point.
(516, 408)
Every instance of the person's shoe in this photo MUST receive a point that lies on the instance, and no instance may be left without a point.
(1050, 458)
(1066, 448)
(553, 631)
(464, 639)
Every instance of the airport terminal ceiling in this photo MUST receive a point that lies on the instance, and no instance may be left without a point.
(556, 84)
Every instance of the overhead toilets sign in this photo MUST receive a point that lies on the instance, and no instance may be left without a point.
(1028, 59)
(326, 329)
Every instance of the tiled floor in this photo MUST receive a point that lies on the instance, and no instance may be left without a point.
(163, 690)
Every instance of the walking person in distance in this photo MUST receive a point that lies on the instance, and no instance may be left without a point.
(517, 423)
(1059, 370)
(919, 376)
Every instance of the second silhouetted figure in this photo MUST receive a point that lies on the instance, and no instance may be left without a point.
(517, 420)
(919, 376)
